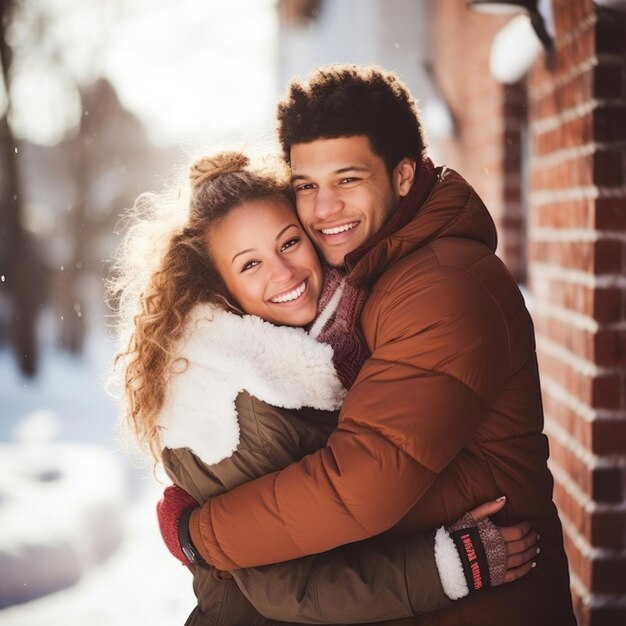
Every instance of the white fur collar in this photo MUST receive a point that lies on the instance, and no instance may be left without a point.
(227, 354)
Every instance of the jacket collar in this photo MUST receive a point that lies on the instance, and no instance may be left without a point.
(439, 204)
(222, 354)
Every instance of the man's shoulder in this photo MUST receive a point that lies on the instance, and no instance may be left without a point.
(446, 258)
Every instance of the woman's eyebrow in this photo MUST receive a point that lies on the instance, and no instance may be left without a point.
(277, 238)
(240, 253)
(284, 229)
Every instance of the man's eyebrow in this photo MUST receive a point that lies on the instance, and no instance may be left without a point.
(341, 170)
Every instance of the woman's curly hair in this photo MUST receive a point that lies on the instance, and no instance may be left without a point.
(164, 268)
(349, 100)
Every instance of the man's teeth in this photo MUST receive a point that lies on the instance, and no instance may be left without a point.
(339, 229)
(292, 295)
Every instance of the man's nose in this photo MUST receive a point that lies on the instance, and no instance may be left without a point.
(327, 203)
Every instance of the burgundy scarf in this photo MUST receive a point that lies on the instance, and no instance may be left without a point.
(341, 304)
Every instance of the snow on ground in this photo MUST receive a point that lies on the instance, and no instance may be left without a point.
(77, 517)
(139, 584)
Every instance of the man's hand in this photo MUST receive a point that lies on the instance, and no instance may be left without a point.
(169, 510)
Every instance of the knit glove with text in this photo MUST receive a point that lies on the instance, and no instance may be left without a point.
(470, 556)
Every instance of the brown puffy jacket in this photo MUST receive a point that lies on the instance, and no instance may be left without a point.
(373, 580)
(445, 414)
(218, 437)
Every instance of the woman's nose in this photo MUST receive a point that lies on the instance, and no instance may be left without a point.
(282, 270)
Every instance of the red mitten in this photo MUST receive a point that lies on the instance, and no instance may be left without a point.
(169, 509)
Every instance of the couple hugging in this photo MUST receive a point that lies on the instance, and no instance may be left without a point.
(354, 437)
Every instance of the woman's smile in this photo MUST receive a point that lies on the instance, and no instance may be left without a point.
(292, 295)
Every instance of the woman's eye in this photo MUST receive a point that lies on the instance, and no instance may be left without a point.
(249, 265)
(290, 243)
(304, 187)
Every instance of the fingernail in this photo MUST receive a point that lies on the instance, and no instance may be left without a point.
(500, 498)
(534, 564)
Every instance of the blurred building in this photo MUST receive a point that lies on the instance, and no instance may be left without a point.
(538, 126)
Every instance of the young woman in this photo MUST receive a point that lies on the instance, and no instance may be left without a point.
(240, 352)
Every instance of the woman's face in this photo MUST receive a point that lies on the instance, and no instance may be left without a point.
(267, 262)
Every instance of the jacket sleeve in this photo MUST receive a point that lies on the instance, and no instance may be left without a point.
(439, 357)
(382, 578)
(375, 580)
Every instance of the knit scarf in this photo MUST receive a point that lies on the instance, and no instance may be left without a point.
(341, 303)
(337, 324)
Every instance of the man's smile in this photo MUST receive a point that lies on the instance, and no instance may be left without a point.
(335, 230)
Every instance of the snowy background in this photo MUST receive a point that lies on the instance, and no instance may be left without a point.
(79, 542)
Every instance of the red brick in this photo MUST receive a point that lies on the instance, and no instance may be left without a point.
(608, 168)
(609, 614)
(607, 529)
(608, 258)
(607, 306)
(610, 348)
(609, 123)
(579, 562)
(567, 214)
(598, 257)
(606, 392)
(568, 15)
(610, 214)
(601, 529)
(607, 485)
(610, 34)
(603, 391)
(575, 49)
(608, 81)
(609, 574)
(577, 298)
(609, 436)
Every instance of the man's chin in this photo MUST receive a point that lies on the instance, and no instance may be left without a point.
(333, 259)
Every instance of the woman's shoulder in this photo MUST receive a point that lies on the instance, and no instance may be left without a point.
(222, 355)
(270, 438)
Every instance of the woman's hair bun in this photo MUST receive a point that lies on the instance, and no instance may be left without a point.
(210, 167)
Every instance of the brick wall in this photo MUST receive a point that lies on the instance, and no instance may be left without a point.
(577, 267)
(572, 205)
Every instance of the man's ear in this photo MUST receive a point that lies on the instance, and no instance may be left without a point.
(404, 175)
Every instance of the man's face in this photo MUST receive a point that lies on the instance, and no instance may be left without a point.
(344, 193)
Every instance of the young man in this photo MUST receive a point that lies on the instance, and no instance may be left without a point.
(446, 412)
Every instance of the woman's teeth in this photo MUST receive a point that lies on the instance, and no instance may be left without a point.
(292, 295)
(339, 229)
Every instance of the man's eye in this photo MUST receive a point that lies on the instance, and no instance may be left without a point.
(349, 179)
(249, 265)
(304, 187)
(289, 243)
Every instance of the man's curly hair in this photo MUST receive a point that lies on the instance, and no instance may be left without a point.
(349, 100)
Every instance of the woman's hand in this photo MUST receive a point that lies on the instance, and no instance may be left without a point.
(520, 541)
(473, 554)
